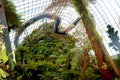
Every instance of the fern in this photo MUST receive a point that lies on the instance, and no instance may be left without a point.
(45, 59)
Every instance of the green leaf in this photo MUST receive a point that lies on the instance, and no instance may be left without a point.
(3, 56)
(12, 64)
(19, 78)
(3, 74)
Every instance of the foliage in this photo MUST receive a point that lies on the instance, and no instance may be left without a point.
(91, 74)
(115, 44)
(4, 68)
(97, 44)
(3, 56)
(113, 35)
(46, 58)
(3, 74)
(4, 65)
(117, 60)
(81, 8)
(13, 19)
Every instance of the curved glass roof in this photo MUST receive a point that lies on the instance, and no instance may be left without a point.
(106, 12)
(30, 8)
(103, 12)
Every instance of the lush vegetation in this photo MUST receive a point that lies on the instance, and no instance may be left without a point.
(44, 55)
(12, 17)
(13, 20)
(45, 58)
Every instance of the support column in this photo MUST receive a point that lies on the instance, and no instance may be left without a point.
(5, 31)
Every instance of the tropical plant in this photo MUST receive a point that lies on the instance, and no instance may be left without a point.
(45, 58)
(113, 35)
(4, 66)
(3, 74)
(12, 20)
(12, 17)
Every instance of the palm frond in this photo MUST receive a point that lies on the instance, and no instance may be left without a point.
(12, 17)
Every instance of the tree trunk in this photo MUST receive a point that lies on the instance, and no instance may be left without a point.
(116, 69)
(104, 69)
(81, 6)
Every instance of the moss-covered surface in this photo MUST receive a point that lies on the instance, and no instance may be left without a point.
(81, 8)
(97, 44)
